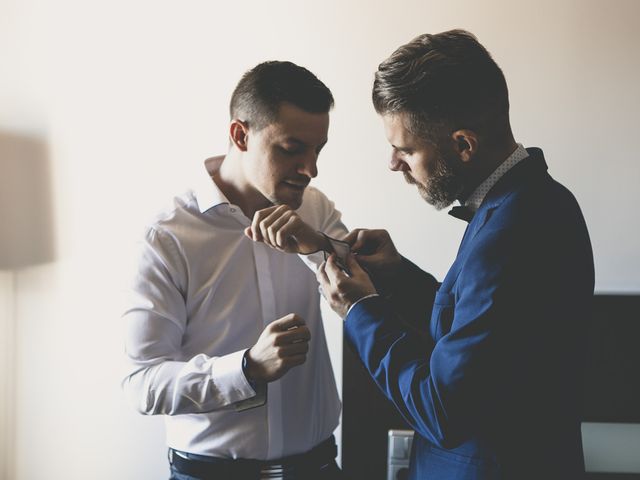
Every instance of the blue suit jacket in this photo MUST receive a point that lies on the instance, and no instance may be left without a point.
(493, 389)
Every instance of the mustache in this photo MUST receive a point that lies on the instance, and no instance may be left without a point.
(409, 179)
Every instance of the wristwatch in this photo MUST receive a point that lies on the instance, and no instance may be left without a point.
(260, 398)
(245, 369)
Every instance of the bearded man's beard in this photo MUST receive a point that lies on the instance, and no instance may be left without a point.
(443, 186)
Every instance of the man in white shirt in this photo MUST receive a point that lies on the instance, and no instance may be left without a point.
(224, 335)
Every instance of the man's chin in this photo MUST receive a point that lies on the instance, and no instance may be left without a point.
(292, 201)
(439, 202)
(439, 198)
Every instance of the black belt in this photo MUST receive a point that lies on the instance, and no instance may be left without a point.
(215, 468)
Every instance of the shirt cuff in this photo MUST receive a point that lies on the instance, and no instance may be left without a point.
(229, 379)
(358, 301)
(313, 260)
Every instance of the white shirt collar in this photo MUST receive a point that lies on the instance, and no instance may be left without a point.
(206, 191)
(475, 199)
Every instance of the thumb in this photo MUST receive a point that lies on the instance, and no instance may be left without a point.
(248, 232)
(351, 237)
(354, 239)
(353, 264)
(288, 321)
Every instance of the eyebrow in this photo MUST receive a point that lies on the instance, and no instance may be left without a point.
(293, 140)
(402, 149)
(301, 143)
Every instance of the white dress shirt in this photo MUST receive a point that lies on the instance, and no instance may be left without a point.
(202, 295)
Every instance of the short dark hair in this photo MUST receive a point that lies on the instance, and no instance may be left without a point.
(444, 82)
(260, 92)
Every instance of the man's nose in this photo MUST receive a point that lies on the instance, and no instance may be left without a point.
(309, 166)
(396, 164)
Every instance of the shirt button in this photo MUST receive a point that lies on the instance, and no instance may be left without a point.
(232, 210)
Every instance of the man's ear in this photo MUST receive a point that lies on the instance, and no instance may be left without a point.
(465, 144)
(239, 134)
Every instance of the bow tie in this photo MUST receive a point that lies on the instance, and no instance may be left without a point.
(462, 212)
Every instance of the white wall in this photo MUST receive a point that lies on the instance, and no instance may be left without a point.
(132, 95)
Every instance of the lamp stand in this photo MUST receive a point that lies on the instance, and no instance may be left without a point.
(7, 374)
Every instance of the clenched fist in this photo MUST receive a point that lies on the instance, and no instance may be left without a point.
(281, 228)
(282, 345)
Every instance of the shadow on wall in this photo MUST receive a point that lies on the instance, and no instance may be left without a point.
(26, 210)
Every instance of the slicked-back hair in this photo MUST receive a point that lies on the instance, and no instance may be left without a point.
(444, 82)
(260, 92)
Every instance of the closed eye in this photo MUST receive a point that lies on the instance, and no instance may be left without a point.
(290, 150)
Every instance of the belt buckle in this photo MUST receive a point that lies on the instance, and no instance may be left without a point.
(274, 469)
(175, 453)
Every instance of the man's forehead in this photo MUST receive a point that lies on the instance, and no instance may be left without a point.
(290, 115)
(303, 139)
(396, 129)
(301, 126)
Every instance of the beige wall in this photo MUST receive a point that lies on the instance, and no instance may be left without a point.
(131, 95)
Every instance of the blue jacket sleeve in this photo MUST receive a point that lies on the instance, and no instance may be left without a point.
(411, 293)
(442, 384)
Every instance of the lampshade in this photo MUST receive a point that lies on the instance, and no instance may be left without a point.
(26, 233)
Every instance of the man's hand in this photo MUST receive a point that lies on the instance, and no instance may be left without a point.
(375, 251)
(283, 344)
(281, 228)
(341, 290)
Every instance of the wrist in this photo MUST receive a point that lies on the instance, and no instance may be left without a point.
(324, 243)
(318, 242)
(249, 368)
(360, 300)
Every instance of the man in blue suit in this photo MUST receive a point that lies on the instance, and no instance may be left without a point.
(493, 388)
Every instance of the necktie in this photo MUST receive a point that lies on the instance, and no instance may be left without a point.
(462, 212)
